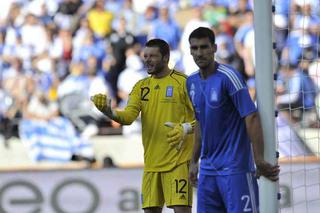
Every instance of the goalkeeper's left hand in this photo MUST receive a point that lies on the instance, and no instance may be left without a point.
(176, 136)
(103, 104)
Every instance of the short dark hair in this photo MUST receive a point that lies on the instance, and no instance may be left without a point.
(203, 32)
(161, 44)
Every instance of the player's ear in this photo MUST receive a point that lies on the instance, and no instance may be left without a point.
(214, 48)
(166, 57)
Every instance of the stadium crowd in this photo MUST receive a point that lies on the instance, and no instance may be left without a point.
(55, 54)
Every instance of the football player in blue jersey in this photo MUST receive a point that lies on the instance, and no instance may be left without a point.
(228, 124)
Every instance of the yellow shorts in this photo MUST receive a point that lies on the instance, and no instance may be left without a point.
(172, 187)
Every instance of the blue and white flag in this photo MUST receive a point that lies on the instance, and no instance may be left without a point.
(53, 140)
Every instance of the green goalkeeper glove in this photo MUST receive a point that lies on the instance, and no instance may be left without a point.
(176, 136)
(103, 104)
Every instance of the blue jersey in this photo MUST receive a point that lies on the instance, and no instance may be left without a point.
(221, 103)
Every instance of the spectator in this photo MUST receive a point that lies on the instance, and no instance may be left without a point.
(314, 73)
(89, 47)
(100, 20)
(17, 87)
(13, 23)
(68, 13)
(60, 51)
(44, 17)
(296, 94)
(74, 100)
(81, 33)
(144, 25)
(196, 21)
(97, 83)
(244, 43)
(226, 52)
(214, 14)
(40, 107)
(19, 50)
(120, 41)
(131, 17)
(166, 28)
(33, 33)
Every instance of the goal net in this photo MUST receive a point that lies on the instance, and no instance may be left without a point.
(296, 34)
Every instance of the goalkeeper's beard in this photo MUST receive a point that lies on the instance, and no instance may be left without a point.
(155, 69)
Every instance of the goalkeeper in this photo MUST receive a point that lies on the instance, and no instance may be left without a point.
(167, 127)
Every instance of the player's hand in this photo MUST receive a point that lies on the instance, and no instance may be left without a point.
(267, 170)
(175, 137)
(193, 174)
(103, 103)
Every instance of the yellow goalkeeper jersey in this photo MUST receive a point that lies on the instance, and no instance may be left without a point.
(160, 100)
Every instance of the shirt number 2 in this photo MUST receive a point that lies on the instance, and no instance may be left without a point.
(144, 92)
(246, 208)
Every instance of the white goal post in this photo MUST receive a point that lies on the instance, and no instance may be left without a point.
(268, 191)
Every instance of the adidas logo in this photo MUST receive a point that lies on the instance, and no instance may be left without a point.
(157, 87)
(182, 197)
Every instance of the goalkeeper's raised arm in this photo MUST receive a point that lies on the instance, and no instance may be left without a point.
(103, 104)
(124, 117)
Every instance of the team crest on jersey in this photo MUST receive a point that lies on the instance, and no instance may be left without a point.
(192, 92)
(169, 91)
(213, 95)
(192, 87)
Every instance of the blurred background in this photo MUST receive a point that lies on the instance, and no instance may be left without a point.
(55, 54)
